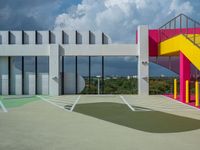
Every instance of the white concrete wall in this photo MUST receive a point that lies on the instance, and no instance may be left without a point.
(71, 50)
(71, 36)
(85, 37)
(98, 37)
(56, 37)
(4, 75)
(29, 37)
(143, 60)
(107, 39)
(74, 45)
(24, 50)
(15, 37)
(42, 37)
(100, 50)
(3, 37)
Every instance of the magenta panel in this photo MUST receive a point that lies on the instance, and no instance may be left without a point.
(184, 75)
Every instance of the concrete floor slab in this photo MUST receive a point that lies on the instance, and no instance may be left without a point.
(39, 125)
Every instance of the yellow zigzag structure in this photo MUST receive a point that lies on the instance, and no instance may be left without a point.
(180, 43)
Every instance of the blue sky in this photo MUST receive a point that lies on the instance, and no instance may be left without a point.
(118, 18)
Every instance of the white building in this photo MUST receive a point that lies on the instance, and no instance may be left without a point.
(54, 45)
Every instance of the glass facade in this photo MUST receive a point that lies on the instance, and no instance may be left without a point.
(120, 75)
(42, 64)
(96, 82)
(42, 74)
(28, 74)
(69, 75)
(161, 78)
(98, 75)
(84, 72)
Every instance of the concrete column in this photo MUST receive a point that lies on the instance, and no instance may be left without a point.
(98, 37)
(4, 66)
(184, 75)
(143, 60)
(3, 75)
(71, 37)
(54, 70)
(85, 37)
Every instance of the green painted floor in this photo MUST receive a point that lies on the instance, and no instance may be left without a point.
(13, 101)
(148, 121)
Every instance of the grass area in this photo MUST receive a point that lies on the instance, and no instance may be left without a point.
(10, 102)
(148, 121)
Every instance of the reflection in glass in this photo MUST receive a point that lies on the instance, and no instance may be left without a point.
(96, 72)
(42, 75)
(70, 81)
(99, 75)
(83, 72)
(120, 75)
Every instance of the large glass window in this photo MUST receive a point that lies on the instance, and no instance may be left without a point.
(96, 84)
(16, 75)
(43, 64)
(70, 81)
(29, 75)
(99, 75)
(162, 74)
(42, 74)
(83, 75)
(120, 75)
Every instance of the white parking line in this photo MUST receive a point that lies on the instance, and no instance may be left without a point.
(124, 100)
(72, 108)
(3, 107)
(46, 100)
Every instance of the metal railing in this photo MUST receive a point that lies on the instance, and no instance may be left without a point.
(181, 24)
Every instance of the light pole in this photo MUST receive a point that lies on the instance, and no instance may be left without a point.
(98, 85)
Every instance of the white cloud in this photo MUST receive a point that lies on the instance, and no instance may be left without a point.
(120, 18)
(179, 7)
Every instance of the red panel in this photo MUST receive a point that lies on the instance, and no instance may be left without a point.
(153, 42)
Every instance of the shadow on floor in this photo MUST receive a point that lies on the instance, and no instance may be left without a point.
(148, 121)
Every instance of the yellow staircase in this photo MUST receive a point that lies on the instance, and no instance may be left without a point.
(182, 43)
